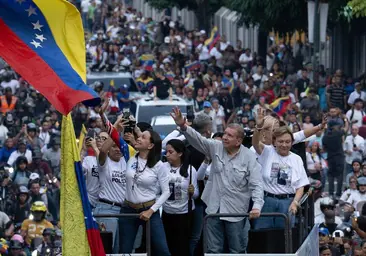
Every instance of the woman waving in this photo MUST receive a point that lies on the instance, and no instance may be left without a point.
(283, 172)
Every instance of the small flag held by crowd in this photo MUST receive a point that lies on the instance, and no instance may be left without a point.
(228, 83)
(213, 39)
(193, 66)
(280, 105)
(147, 60)
(170, 76)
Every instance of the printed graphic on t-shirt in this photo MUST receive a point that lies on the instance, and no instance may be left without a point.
(175, 189)
(281, 174)
(118, 177)
(94, 171)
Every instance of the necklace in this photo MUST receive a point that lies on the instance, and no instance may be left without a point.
(174, 170)
(138, 173)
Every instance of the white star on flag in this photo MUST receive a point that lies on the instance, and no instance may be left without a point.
(20, 1)
(36, 44)
(31, 11)
(40, 38)
(37, 25)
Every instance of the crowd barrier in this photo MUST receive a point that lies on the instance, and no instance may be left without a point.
(301, 243)
(148, 231)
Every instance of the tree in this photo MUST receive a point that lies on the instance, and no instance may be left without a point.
(358, 8)
(204, 9)
(282, 16)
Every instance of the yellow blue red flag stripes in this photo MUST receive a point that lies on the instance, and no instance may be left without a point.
(43, 41)
(213, 39)
(80, 231)
(280, 105)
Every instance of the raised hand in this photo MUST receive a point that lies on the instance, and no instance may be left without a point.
(260, 117)
(178, 117)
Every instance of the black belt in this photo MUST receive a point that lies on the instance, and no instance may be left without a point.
(109, 202)
(283, 196)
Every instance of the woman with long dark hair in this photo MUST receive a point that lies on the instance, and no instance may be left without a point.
(183, 187)
(145, 173)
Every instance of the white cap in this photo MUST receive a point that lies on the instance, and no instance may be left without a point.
(34, 176)
(172, 24)
(202, 32)
(167, 40)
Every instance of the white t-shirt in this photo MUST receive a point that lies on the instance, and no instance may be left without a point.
(85, 6)
(13, 84)
(355, 95)
(281, 174)
(44, 137)
(204, 54)
(355, 198)
(13, 156)
(244, 58)
(112, 176)
(177, 202)
(91, 174)
(357, 116)
(346, 194)
(143, 182)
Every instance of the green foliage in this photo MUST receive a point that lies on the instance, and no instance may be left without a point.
(281, 15)
(358, 8)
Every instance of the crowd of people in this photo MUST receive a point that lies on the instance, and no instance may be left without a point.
(266, 128)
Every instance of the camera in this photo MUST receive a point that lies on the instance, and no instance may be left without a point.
(247, 141)
(131, 123)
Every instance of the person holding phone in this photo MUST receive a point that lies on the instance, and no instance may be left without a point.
(284, 175)
(145, 172)
(112, 176)
(177, 213)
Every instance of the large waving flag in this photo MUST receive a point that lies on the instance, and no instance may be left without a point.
(213, 39)
(147, 60)
(280, 105)
(43, 41)
(74, 198)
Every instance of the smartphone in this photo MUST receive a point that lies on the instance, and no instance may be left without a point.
(126, 113)
(91, 133)
(190, 113)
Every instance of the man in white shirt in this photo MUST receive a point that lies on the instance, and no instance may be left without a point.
(9, 82)
(245, 58)
(84, 12)
(234, 170)
(259, 77)
(203, 51)
(354, 146)
(355, 114)
(360, 195)
(21, 151)
(356, 94)
(44, 135)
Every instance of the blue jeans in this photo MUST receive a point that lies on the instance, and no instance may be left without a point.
(234, 232)
(197, 225)
(111, 224)
(272, 204)
(130, 225)
(84, 16)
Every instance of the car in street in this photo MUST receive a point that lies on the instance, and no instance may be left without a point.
(146, 108)
(112, 80)
(163, 125)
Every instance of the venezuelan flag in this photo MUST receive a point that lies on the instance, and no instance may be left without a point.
(213, 39)
(193, 66)
(147, 60)
(229, 83)
(280, 105)
(43, 41)
(144, 84)
(170, 76)
(76, 214)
